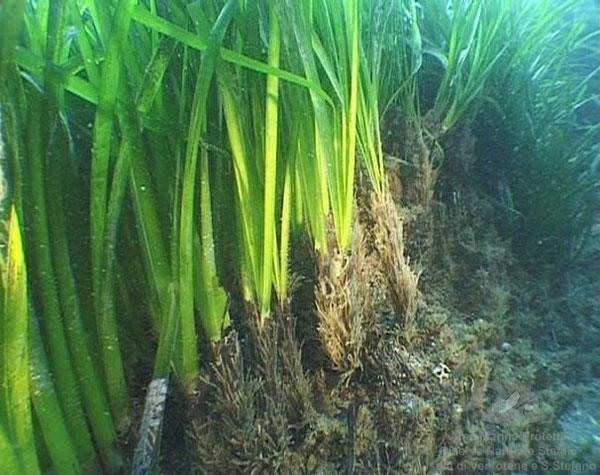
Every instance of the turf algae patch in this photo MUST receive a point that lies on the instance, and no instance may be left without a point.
(390, 396)
(255, 404)
(401, 277)
(344, 306)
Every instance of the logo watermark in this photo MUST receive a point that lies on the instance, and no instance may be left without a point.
(513, 403)
(515, 452)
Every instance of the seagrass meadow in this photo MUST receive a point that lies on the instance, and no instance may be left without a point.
(299, 236)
